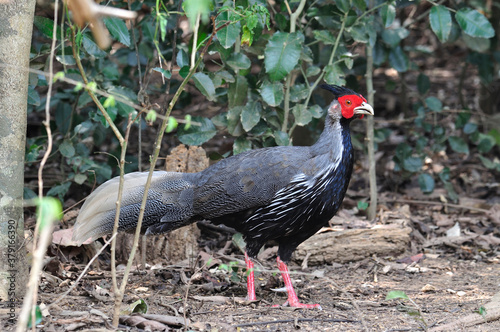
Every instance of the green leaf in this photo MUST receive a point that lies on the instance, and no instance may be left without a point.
(282, 54)
(66, 59)
(172, 125)
(440, 19)
(162, 19)
(182, 59)
(224, 76)
(316, 111)
(67, 149)
(393, 37)
(237, 92)
(234, 126)
(324, 36)
(470, 128)
(60, 190)
(488, 163)
(462, 119)
(272, 93)
(359, 32)
(80, 178)
(238, 61)
(396, 295)
(457, 144)
(486, 143)
(110, 101)
(46, 27)
(360, 4)
(452, 194)
(239, 242)
(398, 59)
(474, 23)
(197, 134)
(118, 29)
(298, 92)
(166, 73)
(363, 205)
(33, 96)
(495, 133)
(241, 144)
(282, 138)
(247, 36)
(388, 13)
(343, 5)
(334, 75)
(184, 71)
(434, 104)
(188, 118)
(412, 164)
(227, 36)
(205, 85)
(301, 114)
(423, 84)
(426, 183)
(250, 115)
(477, 44)
(91, 47)
(38, 317)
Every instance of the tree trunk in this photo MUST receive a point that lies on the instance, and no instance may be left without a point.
(16, 22)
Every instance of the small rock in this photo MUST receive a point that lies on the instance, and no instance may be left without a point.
(461, 293)
(428, 288)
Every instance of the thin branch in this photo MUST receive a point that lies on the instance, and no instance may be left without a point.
(293, 26)
(154, 159)
(370, 137)
(119, 291)
(330, 61)
(296, 320)
(91, 93)
(195, 40)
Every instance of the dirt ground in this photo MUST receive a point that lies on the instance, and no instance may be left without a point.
(352, 297)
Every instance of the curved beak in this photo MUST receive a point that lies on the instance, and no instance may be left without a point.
(365, 108)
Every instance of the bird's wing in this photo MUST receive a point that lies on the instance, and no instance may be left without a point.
(247, 180)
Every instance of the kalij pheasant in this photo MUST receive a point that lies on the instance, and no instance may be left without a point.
(282, 193)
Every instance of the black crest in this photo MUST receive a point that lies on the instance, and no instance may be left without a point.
(339, 91)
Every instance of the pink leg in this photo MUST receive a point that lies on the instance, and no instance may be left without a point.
(250, 279)
(292, 301)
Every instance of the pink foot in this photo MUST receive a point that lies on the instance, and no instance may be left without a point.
(293, 300)
(250, 279)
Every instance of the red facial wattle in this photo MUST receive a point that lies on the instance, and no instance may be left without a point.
(348, 103)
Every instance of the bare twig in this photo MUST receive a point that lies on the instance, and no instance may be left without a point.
(282, 321)
(289, 79)
(370, 137)
(154, 158)
(36, 268)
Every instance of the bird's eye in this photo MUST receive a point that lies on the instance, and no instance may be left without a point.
(348, 102)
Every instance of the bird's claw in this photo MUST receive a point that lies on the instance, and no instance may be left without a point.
(298, 305)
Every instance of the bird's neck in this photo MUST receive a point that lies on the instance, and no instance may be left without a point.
(334, 143)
